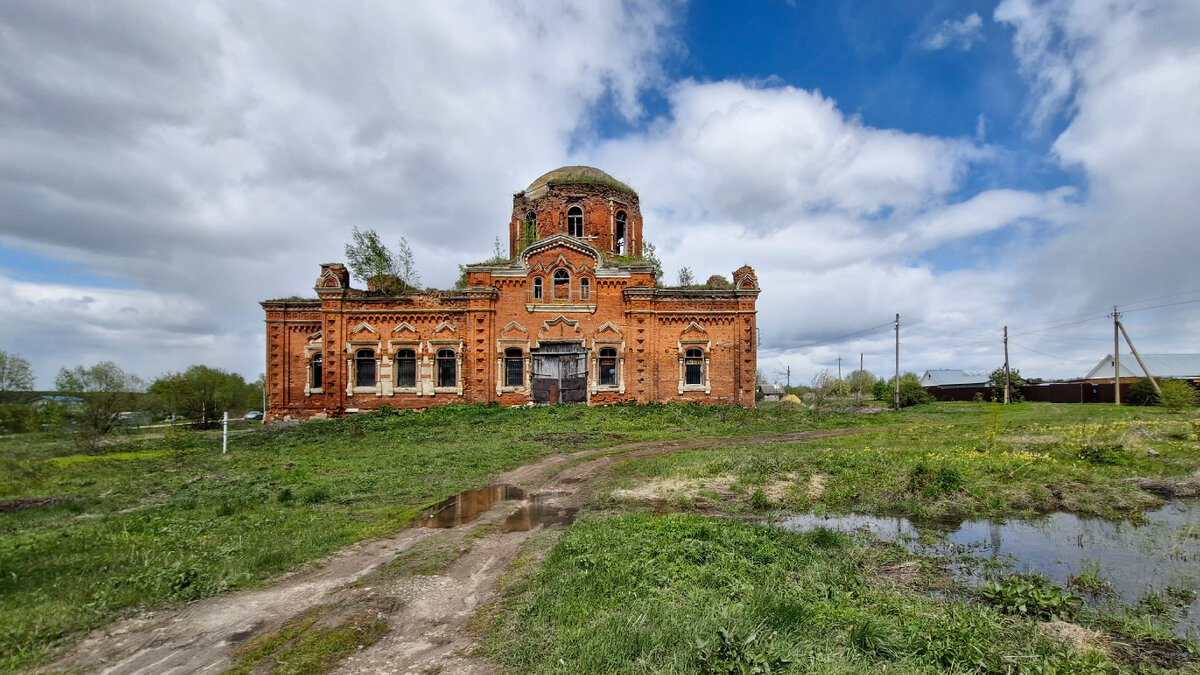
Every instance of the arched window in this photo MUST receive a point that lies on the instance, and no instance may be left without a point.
(406, 368)
(537, 288)
(364, 368)
(575, 221)
(693, 366)
(529, 235)
(316, 375)
(608, 366)
(562, 285)
(585, 289)
(514, 367)
(447, 368)
(622, 223)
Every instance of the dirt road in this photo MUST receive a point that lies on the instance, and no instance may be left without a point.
(426, 615)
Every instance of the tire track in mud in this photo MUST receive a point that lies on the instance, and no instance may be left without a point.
(427, 615)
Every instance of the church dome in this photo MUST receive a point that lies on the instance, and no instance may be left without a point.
(574, 174)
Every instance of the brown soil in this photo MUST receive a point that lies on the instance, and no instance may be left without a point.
(427, 614)
(14, 505)
(1165, 487)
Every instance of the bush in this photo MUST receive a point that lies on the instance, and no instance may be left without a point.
(1177, 394)
(911, 391)
(1142, 393)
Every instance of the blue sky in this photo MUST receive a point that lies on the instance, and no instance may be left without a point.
(968, 165)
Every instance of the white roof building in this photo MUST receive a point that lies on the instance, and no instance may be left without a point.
(953, 378)
(1176, 366)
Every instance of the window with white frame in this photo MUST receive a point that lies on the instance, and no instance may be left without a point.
(316, 372)
(364, 367)
(514, 367)
(537, 288)
(608, 367)
(693, 366)
(585, 289)
(447, 368)
(575, 221)
(406, 368)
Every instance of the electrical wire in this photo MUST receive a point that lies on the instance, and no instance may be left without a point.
(843, 337)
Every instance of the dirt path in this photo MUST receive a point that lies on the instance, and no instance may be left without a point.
(427, 615)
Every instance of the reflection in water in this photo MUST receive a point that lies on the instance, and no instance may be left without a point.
(467, 506)
(1136, 559)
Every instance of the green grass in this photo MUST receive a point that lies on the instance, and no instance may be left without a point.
(159, 518)
(954, 461)
(165, 517)
(684, 593)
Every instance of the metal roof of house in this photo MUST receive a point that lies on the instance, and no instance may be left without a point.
(770, 388)
(1183, 366)
(945, 378)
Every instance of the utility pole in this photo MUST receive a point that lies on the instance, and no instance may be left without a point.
(1116, 317)
(1139, 359)
(839, 368)
(1007, 384)
(897, 392)
(860, 378)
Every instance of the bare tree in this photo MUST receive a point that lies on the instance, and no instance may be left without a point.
(824, 385)
(686, 277)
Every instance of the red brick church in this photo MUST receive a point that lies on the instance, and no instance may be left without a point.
(574, 316)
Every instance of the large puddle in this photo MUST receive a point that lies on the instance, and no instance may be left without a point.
(1137, 559)
(535, 511)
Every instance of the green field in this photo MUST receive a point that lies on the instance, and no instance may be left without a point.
(159, 518)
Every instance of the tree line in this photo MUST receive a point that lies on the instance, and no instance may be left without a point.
(90, 400)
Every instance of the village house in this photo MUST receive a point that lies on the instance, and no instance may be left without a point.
(574, 316)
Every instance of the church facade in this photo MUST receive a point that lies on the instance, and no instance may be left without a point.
(575, 316)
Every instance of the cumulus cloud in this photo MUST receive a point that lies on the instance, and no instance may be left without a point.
(220, 150)
(961, 34)
(205, 157)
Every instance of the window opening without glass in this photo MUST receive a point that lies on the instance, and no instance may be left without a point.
(406, 368)
(364, 368)
(693, 366)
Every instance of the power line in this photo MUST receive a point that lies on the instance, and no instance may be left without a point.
(1169, 304)
(843, 337)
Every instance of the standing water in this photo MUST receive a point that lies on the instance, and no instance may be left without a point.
(1137, 559)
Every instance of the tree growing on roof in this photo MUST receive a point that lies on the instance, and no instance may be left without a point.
(372, 261)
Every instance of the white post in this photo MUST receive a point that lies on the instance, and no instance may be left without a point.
(225, 433)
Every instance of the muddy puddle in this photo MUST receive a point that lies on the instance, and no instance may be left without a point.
(536, 510)
(1136, 559)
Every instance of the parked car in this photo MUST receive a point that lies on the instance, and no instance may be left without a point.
(253, 415)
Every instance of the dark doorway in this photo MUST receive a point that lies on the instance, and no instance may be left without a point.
(559, 373)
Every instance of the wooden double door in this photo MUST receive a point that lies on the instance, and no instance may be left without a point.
(559, 373)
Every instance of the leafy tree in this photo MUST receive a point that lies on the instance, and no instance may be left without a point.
(104, 390)
(650, 257)
(1015, 382)
(203, 393)
(911, 391)
(860, 382)
(686, 277)
(370, 259)
(15, 373)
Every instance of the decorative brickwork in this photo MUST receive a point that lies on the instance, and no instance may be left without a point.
(574, 317)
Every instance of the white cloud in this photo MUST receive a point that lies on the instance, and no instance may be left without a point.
(212, 156)
(961, 34)
(220, 151)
